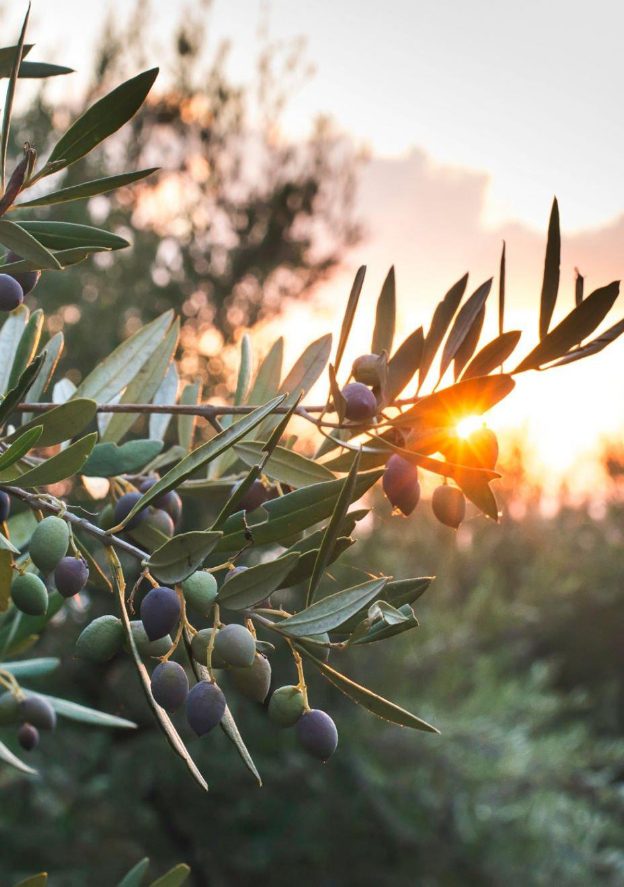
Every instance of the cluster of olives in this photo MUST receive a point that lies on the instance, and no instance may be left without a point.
(232, 647)
(31, 713)
(13, 287)
(164, 515)
(56, 569)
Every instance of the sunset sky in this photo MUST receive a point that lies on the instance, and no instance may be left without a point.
(475, 115)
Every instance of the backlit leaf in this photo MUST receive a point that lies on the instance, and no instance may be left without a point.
(440, 322)
(383, 332)
(492, 355)
(550, 282)
(347, 320)
(89, 189)
(463, 323)
(404, 363)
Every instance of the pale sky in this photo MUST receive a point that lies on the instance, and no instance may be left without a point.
(476, 114)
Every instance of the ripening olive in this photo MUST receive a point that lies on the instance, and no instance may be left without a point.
(123, 507)
(100, 639)
(169, 502)
(169, 685)
(253, 682)
(28, 280)
(11, 293)
(199, 648)
(200, 591)
(286, 706)
(49, 543)
(9, 709)
(449, 505)
(29, 594)
(317, 734)
(157, 648)
(400, 484)
(5, 506)
(205, 706)
(160, 612)
(236, 645)
(71, 576)
(360, 402)
(37, 711)
(28, 737)
(365, 369)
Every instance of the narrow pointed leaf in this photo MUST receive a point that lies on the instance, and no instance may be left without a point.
(181, 555)
(22, 444)
(469, 345)
(190, 396)
(284, 466)
(244, 370)
(369, 700)
(267, 381)
(291, 513)
(59, 467)
(463, 324)
(385, 317)
(550, 282)
(27, 347)
(347, 320)
(10, 336)
(75, 712)
(16, 394)
(579, 286)
(248, 588)
(31, 668)
(7, 756)
(66, 236)
(103, 118)
(440, 322)
(167, 393)
(21, 241)
(502, 274)
(134, 878)
(594, 346)
(10, 94)
(330, 612)
(492, 355)
(470, 397)
(404, 363)
(59, 423)
(175, 877)
(89, 189)
(579, 324)
(333, 529)
(118, 369)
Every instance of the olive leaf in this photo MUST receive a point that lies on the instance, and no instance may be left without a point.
(464, 321)
(21, 445)
(330, 612)
(27, 346)
(385, 317)
(75, 712)
(267, 380)
(470, 397)
(30, 668)
(347, 320)
(284, 466)
(111, 459)
(58, 423)
(404, 363)
(17, 238)
(102, 119)
(88, 189)
(579, 323)
(134, 878)
(12, 760)
(175, 877)
(502, 274)
(492, 355)
(291, 513)
(56, 468)
(377, 705)
(17, 393)
(550, 282)
(249, 587)
(333, 529)
(440, 322)
(181, 555)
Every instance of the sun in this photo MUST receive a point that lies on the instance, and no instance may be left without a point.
(467, 426)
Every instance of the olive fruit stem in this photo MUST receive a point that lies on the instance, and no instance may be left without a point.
(301, 682)
(180, 629)
(213, 634)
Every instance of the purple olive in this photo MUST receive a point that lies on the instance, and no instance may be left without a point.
(449, 505)
(169, 685)
(160, 612)
(37, 711)
(11, 293)
(360, 402)
(28, 737)
(71, 576)
(317, 734)
(124, 506)
(400, 484)
(28, 280)
(5, 506)
(205, 706)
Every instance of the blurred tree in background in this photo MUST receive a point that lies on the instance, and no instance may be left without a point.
(238, 219)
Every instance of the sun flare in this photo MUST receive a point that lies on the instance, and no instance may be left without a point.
(467, 426)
